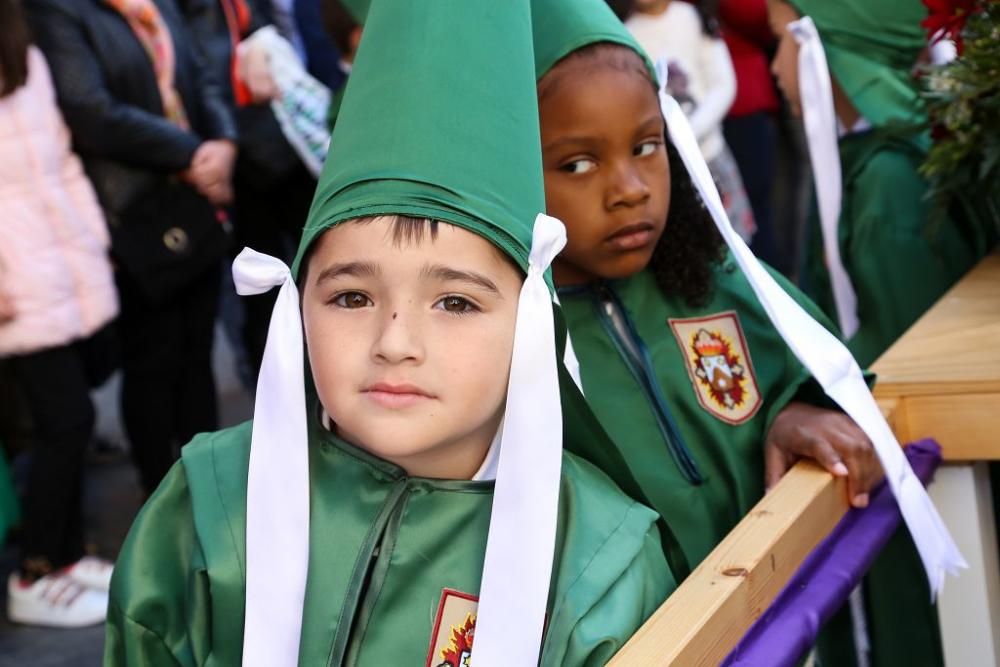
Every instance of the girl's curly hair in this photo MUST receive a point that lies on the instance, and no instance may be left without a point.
(691, 246)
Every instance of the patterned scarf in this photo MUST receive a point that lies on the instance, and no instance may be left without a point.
(152, 32)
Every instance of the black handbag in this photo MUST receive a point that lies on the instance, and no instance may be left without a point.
(164, 234)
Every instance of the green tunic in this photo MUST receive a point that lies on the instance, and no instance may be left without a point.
(384, 548)
(697, 455)
(899, 261)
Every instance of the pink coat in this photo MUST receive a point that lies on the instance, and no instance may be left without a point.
(53, 238)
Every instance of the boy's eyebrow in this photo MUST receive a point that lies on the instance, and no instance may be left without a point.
(446, 273)
(356, 269)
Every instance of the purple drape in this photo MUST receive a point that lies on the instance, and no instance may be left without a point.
(787, 630)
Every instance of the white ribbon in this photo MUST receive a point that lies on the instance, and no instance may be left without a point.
(519, 550)
(830, 363)
(277, 537)
(820, 121)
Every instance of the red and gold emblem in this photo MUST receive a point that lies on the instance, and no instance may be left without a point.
(718, 362)
(454, 630)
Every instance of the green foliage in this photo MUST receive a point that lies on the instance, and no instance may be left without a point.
(963, 99)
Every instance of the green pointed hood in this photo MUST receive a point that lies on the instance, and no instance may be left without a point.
(871, 48)
(563, 26)
(437, 122)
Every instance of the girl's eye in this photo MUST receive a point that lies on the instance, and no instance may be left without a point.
(456, 304)
(579, 166)
(352, 300)
(646, 148)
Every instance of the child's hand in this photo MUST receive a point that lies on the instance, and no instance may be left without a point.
(830, 438)
(7, 310)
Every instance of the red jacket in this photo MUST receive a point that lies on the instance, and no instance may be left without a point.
(748, 36)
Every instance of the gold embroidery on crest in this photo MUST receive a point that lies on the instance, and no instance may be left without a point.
(718, 362)
(454, 630)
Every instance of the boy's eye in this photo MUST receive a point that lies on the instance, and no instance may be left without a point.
(578, 166)
(352, 300)
(456, 304)
(646, 148)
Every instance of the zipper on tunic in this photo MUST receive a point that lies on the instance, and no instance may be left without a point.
(368, 577)
(620, 329)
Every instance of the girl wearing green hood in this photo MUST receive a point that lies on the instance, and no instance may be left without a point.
(678, 359)
(406, 502)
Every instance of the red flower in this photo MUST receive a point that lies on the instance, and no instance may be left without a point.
(946, 18)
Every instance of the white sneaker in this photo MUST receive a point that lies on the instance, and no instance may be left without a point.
(92, 572)
(55, 601)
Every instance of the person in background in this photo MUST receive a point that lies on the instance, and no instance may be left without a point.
(57, 300)
(158, 142)
(749, 127)
(701, 79)
(343, 23)
(272, 188)
(897, 259)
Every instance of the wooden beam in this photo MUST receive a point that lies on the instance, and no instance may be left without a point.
(708, 614)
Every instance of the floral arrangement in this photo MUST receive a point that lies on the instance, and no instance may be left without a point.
(963, 101)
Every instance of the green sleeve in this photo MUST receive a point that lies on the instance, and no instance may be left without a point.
(614, 610)
(159, 591)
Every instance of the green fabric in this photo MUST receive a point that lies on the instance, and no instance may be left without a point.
(358, 9)
(561, 27)
(871, 48)
(730, 457)
(899, 261)
(439, 120)
(10, 511)
(178, 588)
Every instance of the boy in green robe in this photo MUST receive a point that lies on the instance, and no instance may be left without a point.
(876, 260)
(419, 498)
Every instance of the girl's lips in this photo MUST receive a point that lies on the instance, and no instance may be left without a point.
(632, 237)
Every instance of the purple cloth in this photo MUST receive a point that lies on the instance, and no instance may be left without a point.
(788, 629)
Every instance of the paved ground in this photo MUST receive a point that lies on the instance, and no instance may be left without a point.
(112, 498)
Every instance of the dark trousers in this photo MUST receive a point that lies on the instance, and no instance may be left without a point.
(56, 385)
(269, 220)
(751, 138)
(168, 388)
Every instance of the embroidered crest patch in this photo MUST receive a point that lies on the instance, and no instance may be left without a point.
(454, 630)
(718, 361)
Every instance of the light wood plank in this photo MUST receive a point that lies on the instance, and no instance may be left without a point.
(704, 619)
(955, 347)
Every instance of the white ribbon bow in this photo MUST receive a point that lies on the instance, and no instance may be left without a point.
(820, 121)
(277, 538)
(829, 361)
(517, 569)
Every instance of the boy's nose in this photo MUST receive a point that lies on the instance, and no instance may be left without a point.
(398, 338)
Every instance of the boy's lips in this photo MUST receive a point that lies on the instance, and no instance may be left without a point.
(390, 395)
(631, 237)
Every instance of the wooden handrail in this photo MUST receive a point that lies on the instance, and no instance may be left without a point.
(708, 614)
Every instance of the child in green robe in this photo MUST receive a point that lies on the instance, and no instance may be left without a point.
(875, 242)
(682, 365)
(418, 499)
